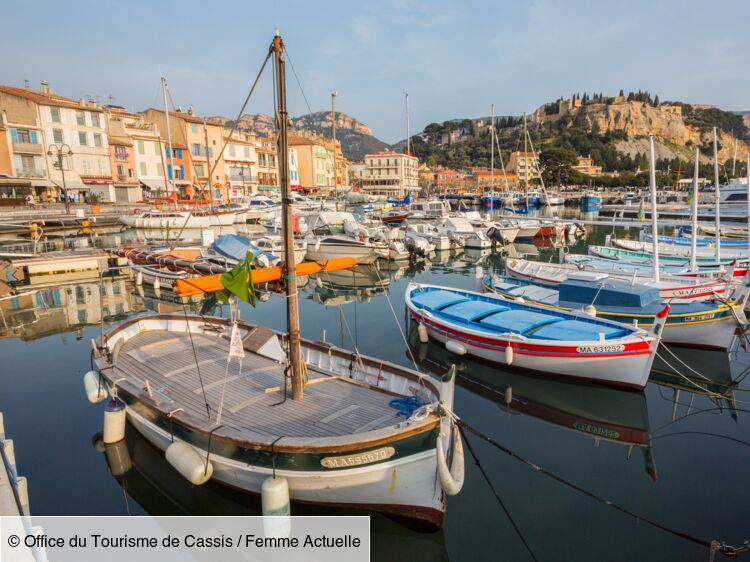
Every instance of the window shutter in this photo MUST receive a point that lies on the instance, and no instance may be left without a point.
(34, 138)
(14, 135)
(50, 136)
(66, 138)
(90, 139)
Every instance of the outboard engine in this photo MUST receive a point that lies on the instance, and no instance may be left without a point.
(496, 235)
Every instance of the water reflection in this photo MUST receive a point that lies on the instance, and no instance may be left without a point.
(598, 412)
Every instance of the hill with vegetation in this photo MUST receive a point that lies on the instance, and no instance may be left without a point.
(613, 130)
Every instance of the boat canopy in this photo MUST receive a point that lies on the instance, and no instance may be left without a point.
(611, 293)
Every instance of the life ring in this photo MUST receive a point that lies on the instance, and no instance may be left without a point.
(361, 237)
(451, 479)
(136, 211)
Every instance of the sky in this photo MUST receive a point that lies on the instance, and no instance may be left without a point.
(454, 58)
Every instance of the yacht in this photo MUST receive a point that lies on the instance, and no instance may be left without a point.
(334, 234)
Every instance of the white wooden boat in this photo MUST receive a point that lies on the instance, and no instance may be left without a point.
(163, 219)
(535, 337)
(334, 234)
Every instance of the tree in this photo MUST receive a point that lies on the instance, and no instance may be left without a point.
(622, 93)
(656, 101)
(557, 164)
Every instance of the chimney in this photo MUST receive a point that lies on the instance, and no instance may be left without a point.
(190, 110)
(81, 102)
(45, 87)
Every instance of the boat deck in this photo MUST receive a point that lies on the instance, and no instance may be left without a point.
(333, 406)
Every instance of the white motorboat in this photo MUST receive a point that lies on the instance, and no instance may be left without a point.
(429, 232)
(166, 219)
(463, 232)
(333, 234)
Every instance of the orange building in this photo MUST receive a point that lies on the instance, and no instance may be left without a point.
(484, 178)
(447, 180)
(586, 166)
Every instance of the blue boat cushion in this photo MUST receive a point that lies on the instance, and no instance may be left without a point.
(576, 330)
(435, 300)
(517, 321)
(469, 311)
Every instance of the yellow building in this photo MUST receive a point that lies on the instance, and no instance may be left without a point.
(586, 166)
(314, 163)
(525, 165)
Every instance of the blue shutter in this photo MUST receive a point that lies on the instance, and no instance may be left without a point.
(34, 138)
(168, 153)
(182, 172)
(14, 135)
(169, 171)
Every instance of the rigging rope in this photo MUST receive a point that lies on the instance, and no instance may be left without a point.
(197, 364)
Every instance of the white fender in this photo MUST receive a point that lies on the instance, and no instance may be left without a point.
(423, 335)
(452, 480)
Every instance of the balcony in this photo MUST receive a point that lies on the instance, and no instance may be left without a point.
(31, 173)
(27, 148)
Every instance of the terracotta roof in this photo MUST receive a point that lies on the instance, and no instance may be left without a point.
(187, 117)
(47, 99)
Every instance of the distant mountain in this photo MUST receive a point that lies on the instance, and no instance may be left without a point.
(356, 138)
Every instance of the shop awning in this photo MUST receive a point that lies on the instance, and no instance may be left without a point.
(18, 182)
(42, 183)
(153, 185)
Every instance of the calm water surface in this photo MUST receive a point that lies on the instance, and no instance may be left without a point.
(670, 454)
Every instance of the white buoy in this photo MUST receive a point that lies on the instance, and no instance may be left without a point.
(157, 284)
(508, 395)
(118, 458)
(274, 495)
(509, 354)
(424, 337)
(114, 421)
(96, 390)
(139, 278)
(479, 276)
(590, 309)
(455, 347)
(519, 299)
(189, 463)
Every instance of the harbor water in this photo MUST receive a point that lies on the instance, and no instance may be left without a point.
(670, 454)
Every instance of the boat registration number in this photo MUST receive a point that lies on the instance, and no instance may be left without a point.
(698, 317)
(359, 459)
(596, 430)
(612, 348)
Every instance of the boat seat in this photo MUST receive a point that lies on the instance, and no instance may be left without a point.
(437, 300)
(517, 321)
(469, 311)
(533, 292)
(576, 330)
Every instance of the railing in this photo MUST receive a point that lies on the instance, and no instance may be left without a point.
(31, 173)
(28, 147)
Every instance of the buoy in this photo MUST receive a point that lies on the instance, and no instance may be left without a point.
(424, 337)
(139, 278)
(509, 354)
(157, 285)
(478, 276)
(519, 299)
(114, 421)
(97, 442)
(508, 395)
(455, 347)
(118, 458)
(274, 495)
(590, 309)
(96, 390)
(189, 463)
(451, 478)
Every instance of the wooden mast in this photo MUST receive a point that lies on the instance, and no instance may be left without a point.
(169, 135)
(525, 164)
(292, 304)
(333, 129)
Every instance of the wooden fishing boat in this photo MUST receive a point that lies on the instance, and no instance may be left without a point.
(647, 258)
(709, 324)
(669, 286)
(535, 337)
(593, 262)
(270, 412)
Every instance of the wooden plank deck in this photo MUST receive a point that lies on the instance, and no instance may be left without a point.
(333, 407)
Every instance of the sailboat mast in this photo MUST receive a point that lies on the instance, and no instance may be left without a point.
(525, 164)
(170, 162)
(492, 150)
(292, 304)
(654, 212)
(717, 191)
(694, 213)
(408, 145)
(333, 129)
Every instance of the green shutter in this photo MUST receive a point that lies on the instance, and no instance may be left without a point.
(14, 135)
(34, 138)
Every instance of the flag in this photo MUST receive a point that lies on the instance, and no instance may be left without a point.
(407, 199)
(238, 281)
(641, 213)
(236, 349)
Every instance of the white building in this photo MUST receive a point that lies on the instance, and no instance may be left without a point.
(149, 162)
(391, 173)
(241, 164)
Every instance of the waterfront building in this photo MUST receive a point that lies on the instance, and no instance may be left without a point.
(524, 165)
(315, 164)
(484, 178)
(241, 161)
(449, 181)
(268, 172)
(126, 186)
(586, 166)
(391, 173)
(204, 140)
(58, 121)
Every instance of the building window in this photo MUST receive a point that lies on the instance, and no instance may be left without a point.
(195, 149)
(195, 127)
(141, 147)
(159, 169)
(262, 159)
(121, 153)
(231, 150)
(120, 170)
(57, 136)
(95, 120)
(144, 169)
(81, 118)
(247, 152)
(97, 139)
(21, 135)
(157, 151)
(55, 114)
(271, 160)
(199, 169)
(82, 139)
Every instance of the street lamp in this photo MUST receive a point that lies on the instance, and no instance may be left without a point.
(60, 151)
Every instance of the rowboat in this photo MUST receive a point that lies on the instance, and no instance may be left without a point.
(679, 250)
(604, 265)
(343, 445)
(670, 286)
(535, 337)
(647, 258)
(709, 324)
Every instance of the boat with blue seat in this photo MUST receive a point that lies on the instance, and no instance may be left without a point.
(647, 258)
(231, 249)
(536, 337)
(709, 324)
